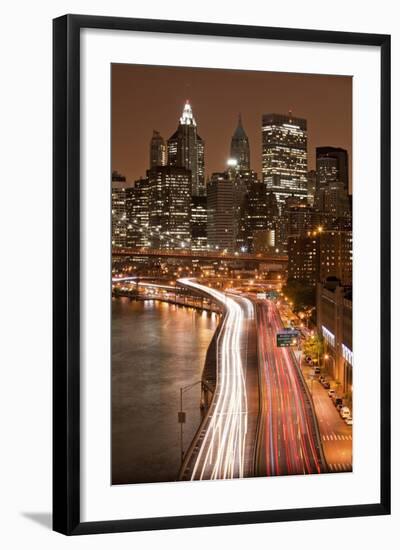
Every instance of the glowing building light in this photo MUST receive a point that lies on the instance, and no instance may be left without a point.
(187, 115)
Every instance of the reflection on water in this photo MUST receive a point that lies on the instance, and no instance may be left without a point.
(157, 348)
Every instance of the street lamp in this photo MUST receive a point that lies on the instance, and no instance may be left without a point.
(182, 413)
(326, 357)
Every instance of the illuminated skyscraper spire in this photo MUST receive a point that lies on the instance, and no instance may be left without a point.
(186, 149)
(187, 115)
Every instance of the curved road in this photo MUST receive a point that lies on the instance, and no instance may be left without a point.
(261, 420)
(226, 445)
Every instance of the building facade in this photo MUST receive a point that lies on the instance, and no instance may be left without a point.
(221, 207)
(158, 150)
(304, 258)
(169, 200)
(332, 162)
(198, 223)
(284, 156)
(334, 323)
(320, 255)
(258, 214)
(336, 256)
(333, 199)
(137, 212)
(118, 210)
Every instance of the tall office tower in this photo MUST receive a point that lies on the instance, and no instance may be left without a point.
(186, 149)
(220, 212)
(169, 206)
(258, 214)
(198, 223)
(284, 155)
(311, 186)
(240, 147)
(340, 165)
(137, 212)
(225, 196)
(118, 210)
(158, 150)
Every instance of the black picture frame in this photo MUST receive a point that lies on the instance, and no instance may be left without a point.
(66, 273)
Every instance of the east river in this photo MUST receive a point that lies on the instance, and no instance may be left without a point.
(157, 348)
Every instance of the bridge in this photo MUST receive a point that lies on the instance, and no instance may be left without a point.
(275, 259)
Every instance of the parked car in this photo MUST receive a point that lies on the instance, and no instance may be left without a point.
(317, 370)
(338, 401)
(326, 385)
(308, 359)
(345, 412)
(349, 421)
(332, 394)
(339, 406)
(321, 378)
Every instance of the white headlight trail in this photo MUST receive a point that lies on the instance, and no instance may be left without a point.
(222, 451)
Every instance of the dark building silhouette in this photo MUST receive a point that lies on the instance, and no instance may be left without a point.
(186, 150)
(332, 165)
(332, 198)
(158, 150)
(240, 147)
(198, 223)
(258, 218)
(225, 195)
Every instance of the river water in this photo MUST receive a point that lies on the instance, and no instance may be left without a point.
(157, 348)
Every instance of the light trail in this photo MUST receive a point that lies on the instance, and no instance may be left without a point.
(222, 451)
(289, 440)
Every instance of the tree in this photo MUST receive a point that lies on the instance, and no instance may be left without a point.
(314, 347)
(301, 293)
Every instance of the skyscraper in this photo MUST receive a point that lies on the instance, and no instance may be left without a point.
(220, 212)
(169, 206)
(158, 150)
(198, 223)
(240, 148)
(118, 210)
(225, 197)
(284, 156)
(339, 162)
(137, 212)
(258, 213)
(186, 149)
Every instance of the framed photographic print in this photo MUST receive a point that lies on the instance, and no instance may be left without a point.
(218, 189)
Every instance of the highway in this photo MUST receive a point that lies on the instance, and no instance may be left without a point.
(288, 436)
(225, 448)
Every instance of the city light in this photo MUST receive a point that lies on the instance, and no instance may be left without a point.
(266, 340)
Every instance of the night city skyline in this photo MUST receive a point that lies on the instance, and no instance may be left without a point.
(217, 98)
(231, 275)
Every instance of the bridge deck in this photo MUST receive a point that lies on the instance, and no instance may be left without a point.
(201, 255)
